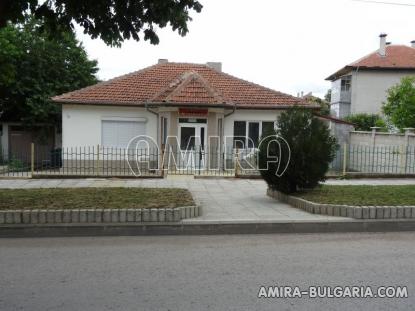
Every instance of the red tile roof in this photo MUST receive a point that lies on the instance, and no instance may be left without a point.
(181, 84)
(397, 57)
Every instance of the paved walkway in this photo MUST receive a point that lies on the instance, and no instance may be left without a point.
(222, 200)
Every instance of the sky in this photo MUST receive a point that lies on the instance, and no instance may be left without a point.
(290, 46)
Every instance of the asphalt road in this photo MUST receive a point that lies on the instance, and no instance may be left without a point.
(202, 272)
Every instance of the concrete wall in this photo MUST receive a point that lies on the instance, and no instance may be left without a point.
(81, 124)
(369, 89)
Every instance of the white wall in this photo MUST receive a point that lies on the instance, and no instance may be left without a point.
(81, 124)
(369, 89)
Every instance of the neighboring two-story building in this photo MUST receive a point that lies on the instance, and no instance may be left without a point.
(361, 87)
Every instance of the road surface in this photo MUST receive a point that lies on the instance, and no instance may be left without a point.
(202, 272)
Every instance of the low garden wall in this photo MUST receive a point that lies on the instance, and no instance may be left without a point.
(358, 212)
(98, 215)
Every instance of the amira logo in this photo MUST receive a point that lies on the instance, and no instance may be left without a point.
(143, 153)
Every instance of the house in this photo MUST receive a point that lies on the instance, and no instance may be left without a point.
(361, 87)
(181, 104)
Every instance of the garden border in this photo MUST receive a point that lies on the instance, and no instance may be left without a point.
(75, 216)
(357, 212)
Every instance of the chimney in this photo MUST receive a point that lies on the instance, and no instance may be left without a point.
(413, 43)
(382, 46)
(163, 60)
(215, 65)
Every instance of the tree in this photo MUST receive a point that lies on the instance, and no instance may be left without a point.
(400, 103)
(327, 97)
(304, 146)
(111, 20)
(365, 121)
(37, 68)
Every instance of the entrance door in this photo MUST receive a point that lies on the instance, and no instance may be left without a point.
(192, 138)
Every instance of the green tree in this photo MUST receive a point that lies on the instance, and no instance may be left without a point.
(111, 20)
(400, 103)
(365, 121)
(305, 147)
(35, 68)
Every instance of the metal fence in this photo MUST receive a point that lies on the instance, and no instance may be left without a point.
(98, 161)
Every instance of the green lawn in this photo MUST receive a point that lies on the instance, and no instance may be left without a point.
(362, 195)
(66, 198)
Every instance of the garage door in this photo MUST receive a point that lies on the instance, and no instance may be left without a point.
(119, 133)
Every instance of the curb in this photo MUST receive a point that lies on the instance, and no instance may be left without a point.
(356, 212)
(130, 229)
(91, 216)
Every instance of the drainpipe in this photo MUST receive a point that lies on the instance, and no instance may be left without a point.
(230, 113)
(157, 115)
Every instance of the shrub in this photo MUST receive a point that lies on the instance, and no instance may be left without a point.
(305, 148)
(364, 121)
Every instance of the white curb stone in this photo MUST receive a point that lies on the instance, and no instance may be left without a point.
(379, 212)
(407, 212)
(66, 217)
(365, 212)
(98, 215)
(413, 212)
(161, 214)
(350, 211)
(114, 215)
(130, 215)
(386, 212)
(34, 216)
(106, 215)
(2, 217)
(42, 216)
(169, 214)
(83, 216)
(75, 216)
(183, 213)
(58, 216)
(153, 214)
(146, 215)
(176, 214)
(336, 210)
(358, 212)
(50, 216)
(400, 211)
(90, 215)
(330, 210)
(343, 211)
(393, 212)
(123, 215)
(25, 217)
(138, 215)
(372, 212)
(9, 217)
(17, 217)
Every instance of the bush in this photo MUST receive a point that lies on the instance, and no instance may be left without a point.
(303, 146)
(364, 121)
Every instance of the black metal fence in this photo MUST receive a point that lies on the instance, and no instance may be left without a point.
(98, 161)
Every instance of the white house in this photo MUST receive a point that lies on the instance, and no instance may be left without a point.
(361, 87)
(197, 103)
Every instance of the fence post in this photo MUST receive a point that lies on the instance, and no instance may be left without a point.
(402, 163)
(237, 162)
(32, 158)
(97, 168)
(161, 160)
(344, 159)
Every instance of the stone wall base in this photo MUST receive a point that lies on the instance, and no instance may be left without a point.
(358, 212)
(164, 215)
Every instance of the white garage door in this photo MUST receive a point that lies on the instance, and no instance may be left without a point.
(119, 133)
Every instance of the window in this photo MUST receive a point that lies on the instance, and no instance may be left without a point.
(267, 128)
(239, 134)
(248, 133)
(346, 83)
(119, 133)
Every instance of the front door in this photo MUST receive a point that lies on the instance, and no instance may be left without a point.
(192, 139)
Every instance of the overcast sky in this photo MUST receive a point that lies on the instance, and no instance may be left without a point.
(290, 46)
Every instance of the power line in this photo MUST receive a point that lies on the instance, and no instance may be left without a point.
(387, 3)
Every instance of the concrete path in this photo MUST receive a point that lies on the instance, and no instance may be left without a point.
(222, 200)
